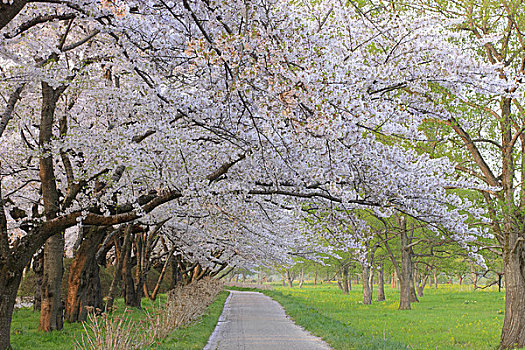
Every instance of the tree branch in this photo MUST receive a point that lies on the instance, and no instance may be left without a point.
(8, 113)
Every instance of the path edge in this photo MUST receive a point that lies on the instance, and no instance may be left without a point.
(212, 340)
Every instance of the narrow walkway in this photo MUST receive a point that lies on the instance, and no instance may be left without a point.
(253, 321)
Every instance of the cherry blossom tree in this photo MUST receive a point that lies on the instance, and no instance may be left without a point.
(484, 134)
(236, 115)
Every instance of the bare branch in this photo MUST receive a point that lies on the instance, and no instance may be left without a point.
(8, 113)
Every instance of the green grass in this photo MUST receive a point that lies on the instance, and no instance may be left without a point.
(452, 317)
(26, 336)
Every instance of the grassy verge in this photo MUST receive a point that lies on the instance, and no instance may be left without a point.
(25, 333)
(336, 333)
(26, 336)
(451, 317)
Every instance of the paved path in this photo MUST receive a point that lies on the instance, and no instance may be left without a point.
(253, 321)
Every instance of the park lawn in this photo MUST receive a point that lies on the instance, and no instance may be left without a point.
(26, 336)
(451, 317)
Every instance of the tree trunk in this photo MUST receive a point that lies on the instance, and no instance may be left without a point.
(367, 292)
(315, 277)
(156, 289)
(395, 279)
(9, 284)
(289, 278)
(88, 292)
(435, 280)
(119, 251)
(404, 278)
(460, 278)
(345, 280)
(513, 331)
(176, 275)
(421, 285)
(51, 310)
(381, 285)
(130, 295)
(413, 295)
(38, 270)
(10, 277)
(301, 279)
(474, 278)
(84, 280)
(197, 273)
(371, 281)
(141, 267)
(339, 283)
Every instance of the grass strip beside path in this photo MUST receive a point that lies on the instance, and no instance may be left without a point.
(338, 335)
(26, 336)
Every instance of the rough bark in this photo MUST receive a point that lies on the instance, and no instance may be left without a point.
(11, 103)
(345, 279)
(381, 285)
(404, 276)
(140, 268)
(289, 278)
(420, 286)
(513, 331)
(119, 251)
(10, 278)
(130, 295)
(156, 289)
(176, 276)
(8, 11)
(51, 308)
(395, 279)
(84, 281)
(474, 275)
(38, 270)
(9, 284)
(413, 295)
(367, 291)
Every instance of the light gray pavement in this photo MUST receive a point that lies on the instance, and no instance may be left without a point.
(253, 321)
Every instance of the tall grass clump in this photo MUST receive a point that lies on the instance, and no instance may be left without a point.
(183, 305)
(112, 332)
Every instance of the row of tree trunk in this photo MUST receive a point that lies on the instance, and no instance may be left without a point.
(132, 247)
